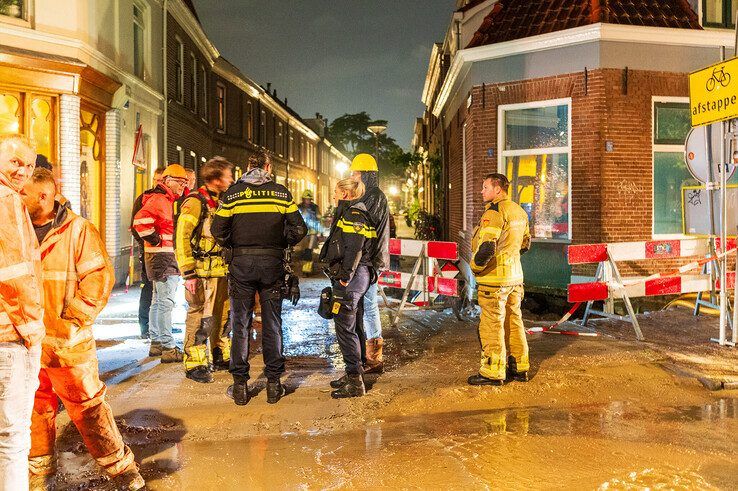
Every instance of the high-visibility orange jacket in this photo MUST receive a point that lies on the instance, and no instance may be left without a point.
(78, 278)
(154, 223)
(21, 308)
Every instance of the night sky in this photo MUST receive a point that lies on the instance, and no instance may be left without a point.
(334, 56)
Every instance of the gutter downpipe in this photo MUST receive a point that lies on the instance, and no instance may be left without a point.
(165, 82)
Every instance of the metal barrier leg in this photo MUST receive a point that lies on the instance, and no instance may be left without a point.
(588, 308)
(626, 299)
(409, 287)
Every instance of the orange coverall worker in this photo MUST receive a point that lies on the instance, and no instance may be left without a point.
(498, 241)
(78, 278)
(21, 332)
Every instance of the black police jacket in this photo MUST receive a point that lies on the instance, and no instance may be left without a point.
(376, 205)
(257, 213)
(351, 242)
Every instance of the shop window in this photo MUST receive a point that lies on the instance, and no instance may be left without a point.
(91, 167)
(536, 158)
(249, 122)
(139, 30)
(221, 92)
(13, 8)
(41, 126)
(11, 113)
(32, 115)
(719, 13)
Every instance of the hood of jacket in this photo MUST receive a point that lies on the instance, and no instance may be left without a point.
(61, 212)
(160, 189)
(256, 177)
(370, 179)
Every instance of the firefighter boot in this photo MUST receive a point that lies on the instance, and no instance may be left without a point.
(42, 473)
(222, 356)
(196, 364)
(338, 383)
(481, 380)
(374, 358)
(130, 480)
(354, 387)
(512, 371)
(240, 391)
(275, 391)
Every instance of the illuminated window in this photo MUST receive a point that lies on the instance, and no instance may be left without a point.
(179, 71)
(719, 13)
(13, 8)
(193, 83)
(535, 156)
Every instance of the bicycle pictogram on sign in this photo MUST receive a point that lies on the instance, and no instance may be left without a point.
(719, 76)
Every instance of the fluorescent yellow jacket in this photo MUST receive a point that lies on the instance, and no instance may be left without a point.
(205, 260)
(500, 238)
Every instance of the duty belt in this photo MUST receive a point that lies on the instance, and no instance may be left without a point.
(257, 251)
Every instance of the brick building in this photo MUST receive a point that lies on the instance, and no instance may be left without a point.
(583, 105)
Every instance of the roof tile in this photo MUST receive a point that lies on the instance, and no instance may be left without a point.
(516, 19)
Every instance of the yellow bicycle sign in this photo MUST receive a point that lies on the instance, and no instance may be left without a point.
(713, 93)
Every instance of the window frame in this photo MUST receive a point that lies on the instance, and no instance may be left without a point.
(728, 16)
(179, 69)
(141, 22)
(193, 81)
(502, 154)
(662, 148)
(204, 73)
(25, 18)
(221, 111)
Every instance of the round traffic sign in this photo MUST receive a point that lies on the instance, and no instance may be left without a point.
(695, 153)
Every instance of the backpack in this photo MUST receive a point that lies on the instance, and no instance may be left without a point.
(197, 232)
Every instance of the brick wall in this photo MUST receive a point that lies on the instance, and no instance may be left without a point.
(112, 182)
(69, 148)
(611, 194)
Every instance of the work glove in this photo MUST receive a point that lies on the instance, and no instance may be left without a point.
(293, 289)
(484, 253)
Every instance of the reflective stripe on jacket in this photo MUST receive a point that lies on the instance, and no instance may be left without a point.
(504, 226)
(209, 264)
(78, 277)
(21, 308)
(351, 242)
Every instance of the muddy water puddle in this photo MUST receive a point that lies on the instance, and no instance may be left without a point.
(617, 446)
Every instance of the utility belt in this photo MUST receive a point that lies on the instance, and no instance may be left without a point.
(206, 255)
(229, 254)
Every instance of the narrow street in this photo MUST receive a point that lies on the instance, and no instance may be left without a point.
(604, 412)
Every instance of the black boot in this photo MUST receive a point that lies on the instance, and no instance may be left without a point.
(338, 383)
(218, 363)
(512, 372)
(200, 374)
(480, 380)
(240, 391)
(275, 391)
(354, 387)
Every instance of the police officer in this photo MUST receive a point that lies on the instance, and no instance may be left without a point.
(499, 240)
(257, 219)
(349, 252)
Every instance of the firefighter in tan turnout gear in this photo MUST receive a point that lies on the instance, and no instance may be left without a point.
(77, 280)
(499, 240)
(204, 271)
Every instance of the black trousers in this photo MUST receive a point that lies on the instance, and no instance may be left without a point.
(144, 303)
(248, 275)
(349, 319)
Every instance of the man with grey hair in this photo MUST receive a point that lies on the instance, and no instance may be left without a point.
(21, 312)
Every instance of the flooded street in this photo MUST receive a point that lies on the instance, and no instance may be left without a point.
(598, 413)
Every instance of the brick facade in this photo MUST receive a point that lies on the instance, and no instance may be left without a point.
(611, 192)
(69, 148)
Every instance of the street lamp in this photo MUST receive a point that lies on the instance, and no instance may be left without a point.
(377, 129)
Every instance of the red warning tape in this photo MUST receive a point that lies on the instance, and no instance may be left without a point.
(565, 318)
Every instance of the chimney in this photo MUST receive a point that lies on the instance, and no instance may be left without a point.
(285, 102)
(317, 115)
(275, 93)
(269, 87)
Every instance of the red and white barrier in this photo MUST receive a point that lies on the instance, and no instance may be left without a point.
(434, 284)
(434, 249)
(637, 251)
